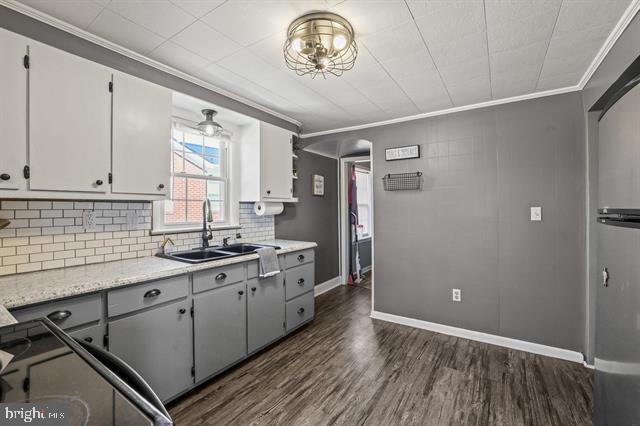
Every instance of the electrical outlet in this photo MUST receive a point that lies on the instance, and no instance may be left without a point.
(536, 214)
(89, 220)
(456, 295)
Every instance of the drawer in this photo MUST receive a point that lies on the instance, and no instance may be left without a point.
(93, 334)
(299, 280)
(206, 280)
(300, 310)
(144, 295)
(252, 267)
(298, 258)
(65, 313)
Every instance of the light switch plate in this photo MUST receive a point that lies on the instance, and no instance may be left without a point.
(536, 214)
(89, 220)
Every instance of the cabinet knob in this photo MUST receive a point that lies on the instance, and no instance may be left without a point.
(301, 281)
(253, 289)
(241, 292)
(300, 258)
(221, 276)
(59, 315)
(152, 293)
(301, 311)
(268, 191)
(182, 310)
(161, 186)
(88, 339)
(5, 176)
(99, 182)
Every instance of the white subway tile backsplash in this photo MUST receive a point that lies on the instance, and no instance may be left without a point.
(50, 234)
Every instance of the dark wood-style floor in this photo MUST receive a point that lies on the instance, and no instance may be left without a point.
(348, 369)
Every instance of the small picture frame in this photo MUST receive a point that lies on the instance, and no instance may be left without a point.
(317, 185)
(402, 153)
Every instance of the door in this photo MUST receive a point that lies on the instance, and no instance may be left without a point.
(157, 344)
(141, 136)
(219, 328)
(13, 110)
(69, 122)
(276, 162)
(265, 311)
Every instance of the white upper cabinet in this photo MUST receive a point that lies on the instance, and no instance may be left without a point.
(266, 163)
(141, 152)
(69, 122)
(13, 110)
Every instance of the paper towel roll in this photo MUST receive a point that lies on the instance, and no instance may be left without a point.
(267, 209)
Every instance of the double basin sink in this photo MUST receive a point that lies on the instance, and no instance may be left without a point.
(208, 254)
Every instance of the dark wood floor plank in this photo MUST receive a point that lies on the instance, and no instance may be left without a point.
(347, 369)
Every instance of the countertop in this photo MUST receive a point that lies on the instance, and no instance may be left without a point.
(37, 287)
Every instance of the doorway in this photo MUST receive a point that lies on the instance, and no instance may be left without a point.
(356, 221)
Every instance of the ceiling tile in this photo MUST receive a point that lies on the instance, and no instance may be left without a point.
(197, 8)
(427, 92)
(77, 12)
(117, 29)
(401, 41)
(505, 88)
(472, 91)
(458, 74)
(205, 41)
(418, 63)
(371, 16)
(514, 24)
(177, 57)
(559, 80)
(160, 16)
(576, 15)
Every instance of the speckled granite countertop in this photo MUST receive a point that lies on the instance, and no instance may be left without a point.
(36, 287)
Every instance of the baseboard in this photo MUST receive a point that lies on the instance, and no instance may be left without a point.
(492, 339)
(327, 285)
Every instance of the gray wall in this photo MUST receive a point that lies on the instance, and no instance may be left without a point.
(469, 227)
(314, 218)
(36, 30)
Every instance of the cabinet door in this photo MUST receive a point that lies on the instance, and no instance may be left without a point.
(69, 122)
(13, 110)
(141, 136)
(219, 329)
(265, 311)
(276, 162)
(158, 345)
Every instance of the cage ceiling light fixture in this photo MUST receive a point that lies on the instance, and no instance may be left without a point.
(320, 43)
(208, 127)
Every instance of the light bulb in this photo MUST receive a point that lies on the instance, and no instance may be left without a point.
(209, 130)
(323, 62)
(339, 42)
(297, 44)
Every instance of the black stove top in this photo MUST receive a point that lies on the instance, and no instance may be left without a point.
(42, 365)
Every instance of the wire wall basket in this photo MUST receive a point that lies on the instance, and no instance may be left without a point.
(402, 181)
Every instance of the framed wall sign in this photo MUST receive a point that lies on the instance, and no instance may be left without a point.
(402, 153)
(317, 185)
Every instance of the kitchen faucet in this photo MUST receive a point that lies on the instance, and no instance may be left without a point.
(207, 217)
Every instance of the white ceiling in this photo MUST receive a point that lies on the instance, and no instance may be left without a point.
(415, 56)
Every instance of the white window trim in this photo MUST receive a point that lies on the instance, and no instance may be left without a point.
(232, 207)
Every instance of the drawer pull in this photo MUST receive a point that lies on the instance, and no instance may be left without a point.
(182, 311)
(301, 281)
(99, 182)
(241, 292)
(221, 276)
(5, 176)
(301, 311)
(161, 186)
(253, 289)
(88, 339)
(300, 258)
(152, 293)
(59, 315)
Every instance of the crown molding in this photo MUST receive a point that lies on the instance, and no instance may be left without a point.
(83, 34)
(446, 111)
(615, 34)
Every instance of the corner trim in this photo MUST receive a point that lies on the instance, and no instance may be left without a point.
(491, 339)
(447, 111)
(326, 286)
(86, 35)
(614, 35)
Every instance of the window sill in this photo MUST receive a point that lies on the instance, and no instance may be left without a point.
(192, 229)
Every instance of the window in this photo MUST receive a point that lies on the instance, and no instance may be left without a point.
(363, 185)
(199, 170)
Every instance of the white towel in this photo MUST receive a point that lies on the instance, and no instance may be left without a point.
(268, 262)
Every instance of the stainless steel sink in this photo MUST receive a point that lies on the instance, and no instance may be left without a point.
(213, 253)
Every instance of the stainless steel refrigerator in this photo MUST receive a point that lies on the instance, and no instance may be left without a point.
(617, 358)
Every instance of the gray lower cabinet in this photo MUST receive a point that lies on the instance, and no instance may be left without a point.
(157, 344)
(219, 329)
(265, 311)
